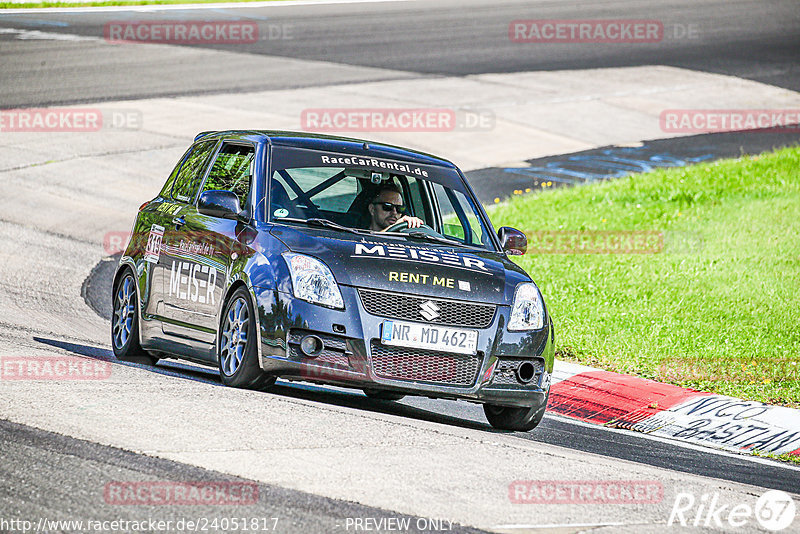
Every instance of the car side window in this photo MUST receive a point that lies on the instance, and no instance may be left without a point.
(188, 180)
(232, 170)
(166, 191)
(458, 219)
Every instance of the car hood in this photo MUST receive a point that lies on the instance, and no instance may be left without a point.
(394, 263)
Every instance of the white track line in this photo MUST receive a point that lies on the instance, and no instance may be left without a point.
(173, 7)
(563, 525)
(36, 35)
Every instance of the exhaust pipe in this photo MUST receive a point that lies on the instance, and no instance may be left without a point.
(525, 372)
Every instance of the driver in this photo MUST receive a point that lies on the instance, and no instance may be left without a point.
(387, 208)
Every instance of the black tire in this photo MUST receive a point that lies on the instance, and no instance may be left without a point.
(517, 419)
(378, 394)
(237, 358)
(125, 322)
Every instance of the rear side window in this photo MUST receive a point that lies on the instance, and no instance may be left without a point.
(166, 191)
(188, 180)
(232, 170)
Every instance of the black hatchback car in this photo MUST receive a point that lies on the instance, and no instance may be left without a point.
(260, 256)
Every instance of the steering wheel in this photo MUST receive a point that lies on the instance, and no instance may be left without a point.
(402, 226)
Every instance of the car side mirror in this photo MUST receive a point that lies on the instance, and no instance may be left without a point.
(512, 240)
(216, 203)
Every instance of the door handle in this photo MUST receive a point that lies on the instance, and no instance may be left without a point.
(178, 222)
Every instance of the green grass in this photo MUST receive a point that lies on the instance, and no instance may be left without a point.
(716, 309)
(103, 3)
(790, 458)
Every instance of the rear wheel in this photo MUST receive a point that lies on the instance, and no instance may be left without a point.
(237, 352)
(378, 394)
(518, 419)
(125, 323)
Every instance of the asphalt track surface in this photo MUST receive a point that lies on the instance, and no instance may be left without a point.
(49, 475)
(591, 165)
(560, 431)
(554, 430)
(753, 40)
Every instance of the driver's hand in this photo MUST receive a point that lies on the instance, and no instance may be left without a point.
(413, 222)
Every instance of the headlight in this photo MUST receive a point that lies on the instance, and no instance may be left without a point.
(527, 311)
(312, 281)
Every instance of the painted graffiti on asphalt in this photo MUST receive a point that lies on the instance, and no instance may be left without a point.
(609, 163)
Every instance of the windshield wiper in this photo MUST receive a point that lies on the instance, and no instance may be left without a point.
(323, 223)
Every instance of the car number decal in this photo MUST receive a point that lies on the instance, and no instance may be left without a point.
(153, 251)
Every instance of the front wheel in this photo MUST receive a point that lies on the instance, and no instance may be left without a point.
(237, 352)
(125, 323)
(518, 419)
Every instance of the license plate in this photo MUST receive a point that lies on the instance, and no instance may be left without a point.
(422, 336)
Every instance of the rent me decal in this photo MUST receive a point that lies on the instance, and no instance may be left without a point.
(425, 279)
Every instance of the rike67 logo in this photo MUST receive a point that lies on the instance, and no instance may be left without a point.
(774, 511)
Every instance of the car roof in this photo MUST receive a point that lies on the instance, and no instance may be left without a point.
(332, 143)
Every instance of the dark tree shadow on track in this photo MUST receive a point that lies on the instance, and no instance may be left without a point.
(360, 401)
(174, 369)
(306, 391)
(556, 431)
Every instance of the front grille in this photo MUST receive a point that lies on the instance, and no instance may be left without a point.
(451, 312)
(419, 365)
(335, 351)
(505, 372)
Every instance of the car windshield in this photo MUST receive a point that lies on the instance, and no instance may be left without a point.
(350, 193)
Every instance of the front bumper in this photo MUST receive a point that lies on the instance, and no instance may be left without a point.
(353, 334)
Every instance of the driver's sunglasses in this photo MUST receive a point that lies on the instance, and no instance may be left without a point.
(388, 206)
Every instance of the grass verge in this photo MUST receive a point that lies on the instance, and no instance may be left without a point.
(105, 3)
(789, 458)
(712, 304)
